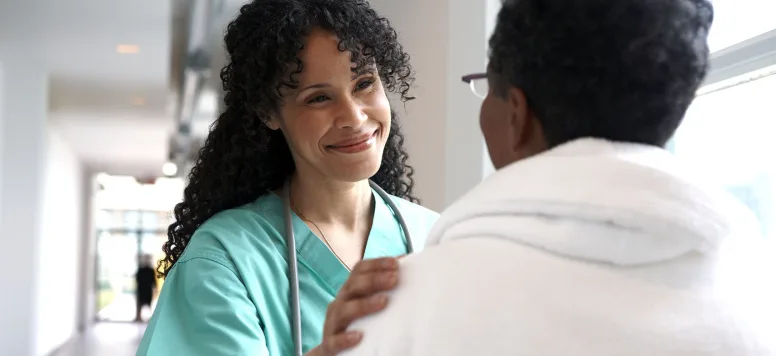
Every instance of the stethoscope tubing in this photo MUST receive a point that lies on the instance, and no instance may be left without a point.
(293, 272)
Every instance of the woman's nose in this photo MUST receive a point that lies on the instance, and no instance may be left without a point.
(352, 114)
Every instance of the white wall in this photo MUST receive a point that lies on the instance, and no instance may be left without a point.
(87, 309)
(446, 39)
(422, 28)
(25, 102)
(491, 14)
(467, 53)
(41, 217)
(60, 245)
(2, 124)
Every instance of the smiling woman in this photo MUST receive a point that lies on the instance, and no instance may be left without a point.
(338, 122)
(306, 108)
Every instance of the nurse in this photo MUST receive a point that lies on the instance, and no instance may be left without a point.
(306, 103)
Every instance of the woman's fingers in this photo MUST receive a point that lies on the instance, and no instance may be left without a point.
(370, 280)
(360, 286)
(341, 342)
(335, 344)
(377, 264)
(349, 311)
(359, 296)
(341, 315)
(342, 312)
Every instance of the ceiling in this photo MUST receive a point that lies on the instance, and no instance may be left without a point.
(111, 108)
(118, 111)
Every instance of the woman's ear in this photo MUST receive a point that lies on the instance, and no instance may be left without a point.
(273, 123)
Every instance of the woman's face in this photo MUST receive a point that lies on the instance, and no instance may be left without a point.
(336, 122)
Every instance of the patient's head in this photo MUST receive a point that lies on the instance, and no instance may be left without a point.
(623, 70)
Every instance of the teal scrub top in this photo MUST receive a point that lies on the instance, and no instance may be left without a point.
(228, 293)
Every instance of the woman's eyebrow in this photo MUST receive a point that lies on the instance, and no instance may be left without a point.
(356, 73)
(315, 86)
(367, 69)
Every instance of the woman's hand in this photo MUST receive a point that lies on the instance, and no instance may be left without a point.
(359, 296)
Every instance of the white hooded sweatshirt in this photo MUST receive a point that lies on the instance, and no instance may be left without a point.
(590, 249)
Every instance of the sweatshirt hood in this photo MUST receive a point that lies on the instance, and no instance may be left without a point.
(599, 201)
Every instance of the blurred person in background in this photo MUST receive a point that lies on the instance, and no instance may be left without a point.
(145, 280)
(305, 105)
(591, 239)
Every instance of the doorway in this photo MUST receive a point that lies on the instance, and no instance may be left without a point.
(131, 222)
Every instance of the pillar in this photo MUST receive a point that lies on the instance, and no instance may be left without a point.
(446, 39)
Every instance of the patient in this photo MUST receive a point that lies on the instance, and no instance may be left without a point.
(590, 239)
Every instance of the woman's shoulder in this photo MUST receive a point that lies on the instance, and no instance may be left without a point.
(250, 229)
(251, 217)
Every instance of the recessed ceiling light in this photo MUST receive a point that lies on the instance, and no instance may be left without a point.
(138, 101)
(127, 49)
(170, 169)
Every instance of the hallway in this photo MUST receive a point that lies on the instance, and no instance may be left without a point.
(105, 339)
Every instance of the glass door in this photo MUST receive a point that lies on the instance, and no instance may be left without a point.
(123, 238)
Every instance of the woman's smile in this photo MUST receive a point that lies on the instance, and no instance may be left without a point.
(355, 144)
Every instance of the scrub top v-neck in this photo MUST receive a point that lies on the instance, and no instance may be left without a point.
(228, 293)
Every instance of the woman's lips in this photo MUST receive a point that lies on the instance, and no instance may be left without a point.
(355, 145)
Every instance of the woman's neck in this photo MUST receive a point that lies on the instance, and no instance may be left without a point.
(347, 204)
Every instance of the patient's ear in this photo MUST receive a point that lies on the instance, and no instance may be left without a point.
(518, 118)
(526, 134)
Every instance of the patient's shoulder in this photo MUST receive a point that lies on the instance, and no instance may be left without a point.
(425, 307)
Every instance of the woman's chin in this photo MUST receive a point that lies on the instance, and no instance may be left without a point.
(354, 167)
(356, 172)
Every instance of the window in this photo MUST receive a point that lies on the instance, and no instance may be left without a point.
(727, 132)
(131, 220)
(151, 243)
(736, 21)
(727, 135)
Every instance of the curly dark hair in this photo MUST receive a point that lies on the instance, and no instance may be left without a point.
(623, 70)
(243, 159)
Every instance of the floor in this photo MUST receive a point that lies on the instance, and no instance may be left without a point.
(105, 339)
(122, 309)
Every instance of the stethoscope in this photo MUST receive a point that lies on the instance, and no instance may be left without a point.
(293, 272)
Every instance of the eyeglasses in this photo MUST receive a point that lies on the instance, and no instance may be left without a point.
(478, 82)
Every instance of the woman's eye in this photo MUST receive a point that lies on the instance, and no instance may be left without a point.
(318, 99)
(365, 84)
